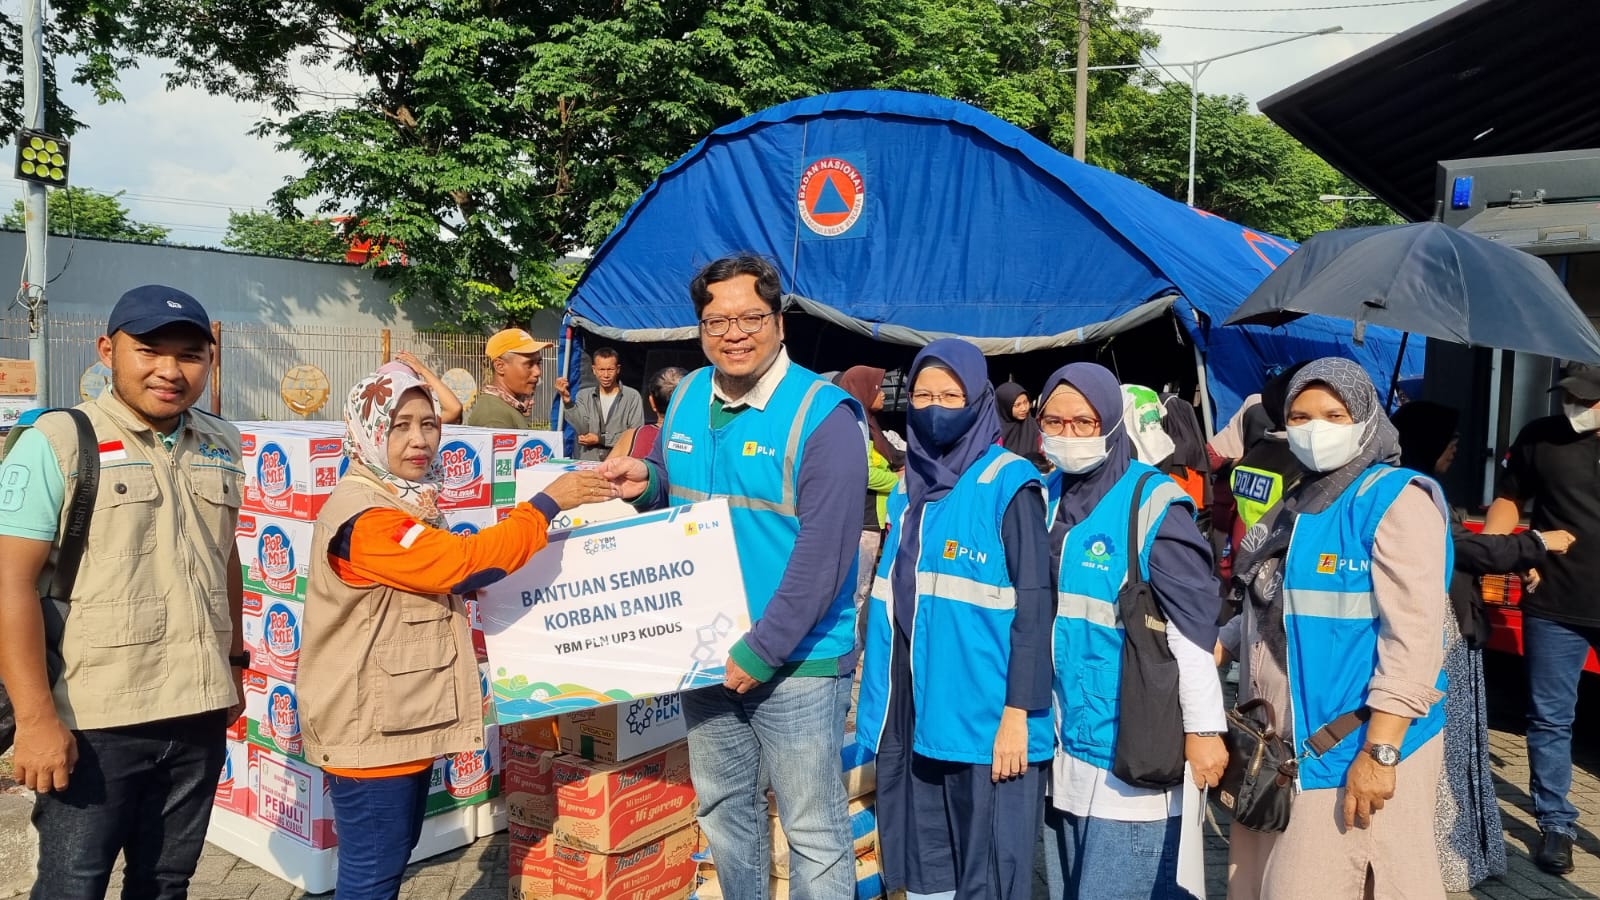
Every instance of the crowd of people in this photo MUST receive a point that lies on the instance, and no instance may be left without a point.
(1030, 599)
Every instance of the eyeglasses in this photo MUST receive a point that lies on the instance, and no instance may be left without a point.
(1082, 426)
(749, 323)
(948, 399)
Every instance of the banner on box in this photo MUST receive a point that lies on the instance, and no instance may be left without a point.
(620, 610)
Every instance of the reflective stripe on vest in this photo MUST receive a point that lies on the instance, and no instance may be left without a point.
(1331, 618)
(752, 461)
(1087, 638)
(960, 643)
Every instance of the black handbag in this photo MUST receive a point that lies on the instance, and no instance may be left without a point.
(79, 511)
(1149, 744)
(1258, 786)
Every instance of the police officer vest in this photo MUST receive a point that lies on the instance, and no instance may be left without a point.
(1088, 629)
(753, 463)
(1330, 616)
(1254, 492)
(961, 632)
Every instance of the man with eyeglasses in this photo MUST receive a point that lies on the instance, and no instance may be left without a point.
(783, 447)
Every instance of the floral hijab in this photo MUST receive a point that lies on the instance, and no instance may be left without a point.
(368, 415)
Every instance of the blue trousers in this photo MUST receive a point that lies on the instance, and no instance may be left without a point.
(1106, 859)
(787, 733)
(1555, 653)
(378, 821)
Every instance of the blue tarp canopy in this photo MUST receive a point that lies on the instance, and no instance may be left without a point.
(907, 217)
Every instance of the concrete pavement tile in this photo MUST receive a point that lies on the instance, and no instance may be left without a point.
(215, 891)
(274, 889)
(428, 887)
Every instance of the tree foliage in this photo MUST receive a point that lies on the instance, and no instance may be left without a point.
(87, 213)
(270, 235)
(491, 137)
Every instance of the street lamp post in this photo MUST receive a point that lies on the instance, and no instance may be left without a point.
(1197, 68)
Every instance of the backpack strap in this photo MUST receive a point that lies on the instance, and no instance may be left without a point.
(79, 511)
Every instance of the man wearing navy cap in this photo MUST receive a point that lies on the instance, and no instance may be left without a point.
(124, 739)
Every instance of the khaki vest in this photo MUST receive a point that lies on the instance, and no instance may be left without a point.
(148, 625)
(386, 676)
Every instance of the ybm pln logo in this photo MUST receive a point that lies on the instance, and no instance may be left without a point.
(1097, 551)
(954, 550)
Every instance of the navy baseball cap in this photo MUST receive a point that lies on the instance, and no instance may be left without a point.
(154, 306)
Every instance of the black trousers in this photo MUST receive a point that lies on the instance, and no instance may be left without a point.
(144, 791)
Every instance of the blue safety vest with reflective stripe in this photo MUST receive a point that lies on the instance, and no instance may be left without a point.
(1088, 629)
(753, 462)
(1330, 615)
(961, 631)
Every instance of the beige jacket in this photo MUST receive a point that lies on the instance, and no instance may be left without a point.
(386, 676)
(148, 625)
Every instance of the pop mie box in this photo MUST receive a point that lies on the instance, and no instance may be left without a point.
(614, 807)
(272, 715)
(466, 459)
(233, 785)
(661, 869)
(472, 521)
(292, 797)
(272, 634)
(274, 554)
(290, 468)
(514, 450)
(623, 731)
(462, 779)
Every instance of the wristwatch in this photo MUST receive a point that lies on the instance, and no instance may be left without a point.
(239, 660)
(1386, 755)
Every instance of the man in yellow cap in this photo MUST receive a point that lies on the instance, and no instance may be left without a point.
(507, 400)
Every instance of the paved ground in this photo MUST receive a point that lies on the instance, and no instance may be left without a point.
(479, 871)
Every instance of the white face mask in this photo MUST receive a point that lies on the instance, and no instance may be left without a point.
(1075, 455)
(1323, 446)
(1583, 418)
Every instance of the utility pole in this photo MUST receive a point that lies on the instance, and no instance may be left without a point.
(1080, 106)
(34, 198)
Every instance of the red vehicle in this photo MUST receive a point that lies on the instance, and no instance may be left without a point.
(1501, 594)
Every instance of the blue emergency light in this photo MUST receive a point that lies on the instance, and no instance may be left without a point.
(1461, 193)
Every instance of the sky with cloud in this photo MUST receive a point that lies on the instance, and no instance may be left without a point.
(185, 158)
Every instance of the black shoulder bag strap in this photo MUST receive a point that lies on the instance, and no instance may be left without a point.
(79, 511)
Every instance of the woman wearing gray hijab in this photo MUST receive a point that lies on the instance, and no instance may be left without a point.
(1342, 632)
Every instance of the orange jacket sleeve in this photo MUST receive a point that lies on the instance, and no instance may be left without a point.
(389, 547)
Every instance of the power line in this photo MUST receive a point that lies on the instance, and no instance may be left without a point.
(1177, 9)
(1257, 30)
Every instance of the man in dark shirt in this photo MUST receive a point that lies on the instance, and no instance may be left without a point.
(1555, 463)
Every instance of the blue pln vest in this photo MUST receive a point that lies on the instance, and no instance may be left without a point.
(1088, 629)
(961, 631)
(754, 462)
(1330, 615)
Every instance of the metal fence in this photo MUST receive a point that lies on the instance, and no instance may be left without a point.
(263, 369)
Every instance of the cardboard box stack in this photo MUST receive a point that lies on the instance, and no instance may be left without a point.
(275, 808)
(859, 771)
(600, 804)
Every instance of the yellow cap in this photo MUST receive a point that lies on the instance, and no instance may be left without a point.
(514, 340)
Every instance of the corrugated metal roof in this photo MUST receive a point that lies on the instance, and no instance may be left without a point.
(1486, 78)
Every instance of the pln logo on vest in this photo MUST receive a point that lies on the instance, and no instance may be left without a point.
(1330, 564)
(953, 550)
(751, 448)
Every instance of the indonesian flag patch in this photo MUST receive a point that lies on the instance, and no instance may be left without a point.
(408, 532)
(111, 451)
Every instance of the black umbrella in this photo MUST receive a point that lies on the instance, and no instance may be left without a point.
(1430, 279)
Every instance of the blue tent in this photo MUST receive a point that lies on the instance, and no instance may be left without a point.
(906, 217)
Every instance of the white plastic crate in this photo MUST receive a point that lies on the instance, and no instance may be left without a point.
(316, 871)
